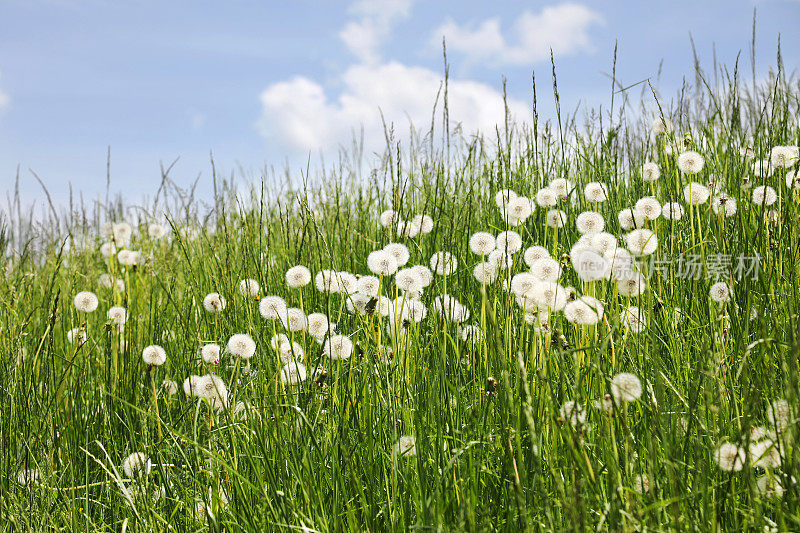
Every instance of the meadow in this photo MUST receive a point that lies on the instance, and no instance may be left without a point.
(588, 323)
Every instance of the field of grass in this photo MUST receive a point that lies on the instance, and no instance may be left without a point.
(585, 324)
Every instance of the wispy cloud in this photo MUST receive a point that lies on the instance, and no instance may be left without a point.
(564, 28)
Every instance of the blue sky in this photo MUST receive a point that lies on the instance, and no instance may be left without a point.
(259, 83)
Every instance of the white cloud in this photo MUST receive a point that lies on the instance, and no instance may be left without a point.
(365, 36)
(299, 116)
(563, 27)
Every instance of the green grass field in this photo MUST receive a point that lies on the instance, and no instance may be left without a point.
(584, 324)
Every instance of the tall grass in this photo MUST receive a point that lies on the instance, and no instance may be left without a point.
(493, 448)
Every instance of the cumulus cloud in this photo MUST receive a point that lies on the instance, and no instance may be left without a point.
(564, 28)
(300, 116)
(375, 18)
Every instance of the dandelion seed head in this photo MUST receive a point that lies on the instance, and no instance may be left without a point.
(650, 171)
(649, 207)
(764, 195)
(589, 222)
(399, 251)
(154, 355)
(595, 192)
(382, 263)
(210, 353)
(86, 302)
(626, 387)
(136, 464)
(730, 457)
(272, 307)
(214, 302)
(248, 287)
(482, 243)
(696, 194)
(339, 347)
(443, 263)
(546, 197)
(242, 345)
(691, 162)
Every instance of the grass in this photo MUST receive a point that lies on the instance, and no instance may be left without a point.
(493, 447)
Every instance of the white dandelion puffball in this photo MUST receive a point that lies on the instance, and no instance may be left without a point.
(555, 218)
(117, 315)
(121, 232)
(784, 156)
(107, 249)
(485, 272)
(720, 292)
(338, 347)
(649, 207)
(626, 387)
(214, 302)
(546, 197)
(318, 324)
(136, 464)
(242, 345)
(549, 295)
(248, 287)
(650, 171)
(634, 319)
(369, 285)
(290, 351)
(212, 388)
(272, 307)
(562, 186)
(603, 243)
(696, 194)
(399, 251)
(765, 454)
(534, 253)
(156, 231)
(630, 219)
(443, 263)
(86, 302)
(407, 229)
(779, 414)
(381, 263)
(294, 319)
(509, 242)
(504, 197)
(408, 280)
(581, 313)
(641, 242)
(672, 211)
(293, 373)
(169, 387)
(518, 210)
(471, 334)
(424, 222)
(662, 125)
(76, 336)
(154, 355)
(633, 285)
(793, 179)
(573, 413)
(589, 222)
(769, 486)
(724, 205)
(546, 269)
(595, 192)
(690, 162)
(523, 283)
(210, 353)
(327, 281)
(388, 218)
(764, 195)
(406, 447)
(730, 457)
(298, 277)
(590, 266)
(482, 243)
